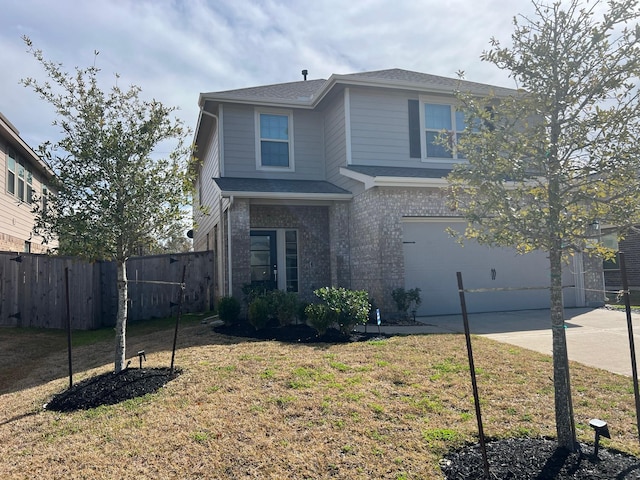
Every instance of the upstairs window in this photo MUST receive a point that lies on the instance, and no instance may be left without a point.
(11, 174)
(274, 140)
(19, 178)
(439, 119)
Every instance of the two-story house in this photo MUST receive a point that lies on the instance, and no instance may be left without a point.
(24, 178)
(342, 182)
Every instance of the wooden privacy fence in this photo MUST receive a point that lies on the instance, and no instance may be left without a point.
(33, 292)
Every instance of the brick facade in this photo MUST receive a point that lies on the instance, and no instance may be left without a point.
(355, 244)
(630, 246)
(312, 225)
(376, 237)
(9, 243)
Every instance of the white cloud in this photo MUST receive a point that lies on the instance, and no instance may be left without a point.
(176, 49)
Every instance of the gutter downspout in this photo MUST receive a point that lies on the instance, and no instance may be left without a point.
(230, 292)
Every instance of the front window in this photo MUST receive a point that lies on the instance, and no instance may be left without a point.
(442, 119)
(274, 140)
(291, 260)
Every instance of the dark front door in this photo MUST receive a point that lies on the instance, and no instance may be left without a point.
(264, 264)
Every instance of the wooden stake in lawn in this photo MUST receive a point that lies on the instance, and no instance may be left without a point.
(66, 283)
(632, 348)
(175, 334)
(472, 370)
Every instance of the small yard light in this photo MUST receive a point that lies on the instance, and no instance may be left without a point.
(141, 356)
(600, 427)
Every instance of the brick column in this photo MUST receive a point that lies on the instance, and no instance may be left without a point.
(339, 245)
(240, 246)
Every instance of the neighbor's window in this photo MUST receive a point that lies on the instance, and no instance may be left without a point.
(439, 118)
(29, 187)
(45, 199)
(274, 140)
(11, 173)
(19, 178)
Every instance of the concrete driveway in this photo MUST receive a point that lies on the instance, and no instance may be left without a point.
(595, 337)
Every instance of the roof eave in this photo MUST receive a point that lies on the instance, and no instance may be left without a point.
(388, 181)
(286, 195)
(17, 140)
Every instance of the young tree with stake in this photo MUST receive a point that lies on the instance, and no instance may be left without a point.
(562, 153)
(113, 194)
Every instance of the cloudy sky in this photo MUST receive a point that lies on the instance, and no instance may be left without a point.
(175, 49)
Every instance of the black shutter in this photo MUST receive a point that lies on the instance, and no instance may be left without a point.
(414, 129)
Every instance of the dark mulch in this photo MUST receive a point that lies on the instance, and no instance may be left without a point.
(298, 334)
(111, 388)
(539, 459)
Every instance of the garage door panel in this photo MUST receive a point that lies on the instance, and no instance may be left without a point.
(432, 258)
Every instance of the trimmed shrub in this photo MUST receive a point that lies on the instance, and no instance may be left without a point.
(406, 300)
(251, 292)
(259, 313)
(351, 306)
(284, 305)
(320, 316)
(229, 310)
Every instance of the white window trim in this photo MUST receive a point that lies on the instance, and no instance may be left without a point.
(271, 111)
(423, 142)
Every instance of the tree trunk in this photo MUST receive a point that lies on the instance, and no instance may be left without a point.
(121, 322)
(565, 426)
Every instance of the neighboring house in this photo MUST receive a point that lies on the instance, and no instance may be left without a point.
(630, 246)
(341, 182)
(24, 178)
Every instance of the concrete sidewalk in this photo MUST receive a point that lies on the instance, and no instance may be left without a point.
(595, 337)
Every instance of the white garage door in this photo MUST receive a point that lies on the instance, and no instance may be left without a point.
(432, 258)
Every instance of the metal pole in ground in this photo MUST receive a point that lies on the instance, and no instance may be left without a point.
(472, 370)
(180, 300)
(66, 283)
(632, 347)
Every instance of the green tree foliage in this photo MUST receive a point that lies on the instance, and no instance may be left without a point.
(112, 193)
(351, 307)
(562, 152)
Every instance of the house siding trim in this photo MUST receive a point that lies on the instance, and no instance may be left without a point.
(347, 124)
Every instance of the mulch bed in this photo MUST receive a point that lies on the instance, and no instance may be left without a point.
(298, 334)
(540, 459)
(111, 388)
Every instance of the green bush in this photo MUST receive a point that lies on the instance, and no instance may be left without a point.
(251, 292)
(284, 306)
(302, 312)
(229, 310)
(259, 313)
(351, 306)
(406, 299)
(320, 316)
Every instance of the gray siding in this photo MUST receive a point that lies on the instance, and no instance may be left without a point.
(336, 145)
(208, 215)
(239, 142)
(380, 129)
(240, 151)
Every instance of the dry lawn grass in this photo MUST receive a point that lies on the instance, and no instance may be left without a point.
(260, 409)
